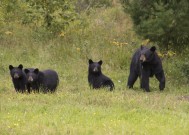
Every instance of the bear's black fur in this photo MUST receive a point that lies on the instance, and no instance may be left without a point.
(31, 85)
(18, 78)
(95, 77)
(146, 63)
(46, 80)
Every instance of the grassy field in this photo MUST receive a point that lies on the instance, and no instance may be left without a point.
(107, 34)
(94, 112)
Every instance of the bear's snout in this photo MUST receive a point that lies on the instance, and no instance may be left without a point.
(16, 76)
(142, 58)
(95, 69)
(30, 79)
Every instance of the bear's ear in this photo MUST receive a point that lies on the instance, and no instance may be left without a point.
(20, 66)
(36, 70)
(100, 62)
(141, 47)
(11, 67)
(153, 49)
(26, 71)
(90, 61)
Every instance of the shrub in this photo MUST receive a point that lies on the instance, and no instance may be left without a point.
(164, 22)
(53, 15)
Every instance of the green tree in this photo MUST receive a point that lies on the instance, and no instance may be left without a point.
(1, 15)
(162, 21)
(10, 10)
(55, 15)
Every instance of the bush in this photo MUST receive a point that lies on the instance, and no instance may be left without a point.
(185, 70)
(82, 5)
(164, 22)
(54, 15)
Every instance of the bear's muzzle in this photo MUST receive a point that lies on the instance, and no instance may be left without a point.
(16, 76)
(142, 58)
(30, 79)
(95, 69)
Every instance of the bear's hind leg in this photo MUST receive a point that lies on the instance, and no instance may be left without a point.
(131, 80)
(161, 78)
(109, 84)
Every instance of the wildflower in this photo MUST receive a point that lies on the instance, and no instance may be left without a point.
(8, 33)
(78, 49)
(160, 54)
(16, 124)
(145, 42)
(114, 42)
(167, 54)
(119, 44)
(62, 34)
(171, 53)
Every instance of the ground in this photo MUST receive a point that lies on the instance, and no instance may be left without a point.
(94, 112)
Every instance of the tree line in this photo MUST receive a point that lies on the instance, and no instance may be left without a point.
(164, 22)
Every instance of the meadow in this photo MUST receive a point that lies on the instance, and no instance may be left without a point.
(106, 34)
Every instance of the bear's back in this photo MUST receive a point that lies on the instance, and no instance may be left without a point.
(49, 78)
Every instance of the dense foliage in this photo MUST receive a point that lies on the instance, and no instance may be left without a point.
(54, 15)
(84, 5)
(162, 21)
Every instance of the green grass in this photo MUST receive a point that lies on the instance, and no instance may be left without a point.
(94, 112)
(74, 108)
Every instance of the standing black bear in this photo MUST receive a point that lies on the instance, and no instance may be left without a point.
(146, 63)
(18, 78)
(95, 77)
(47, 80)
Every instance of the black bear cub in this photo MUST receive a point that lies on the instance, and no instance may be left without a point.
(146, 63)
(46, 80)
(95, 77)
(18, 78)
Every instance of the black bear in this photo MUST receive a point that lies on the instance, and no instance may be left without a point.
(46, 80)
(31, 85)
(95, 77)
(146, 63)
(18, 78)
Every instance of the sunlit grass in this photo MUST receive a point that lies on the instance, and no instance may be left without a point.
(88, 111)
